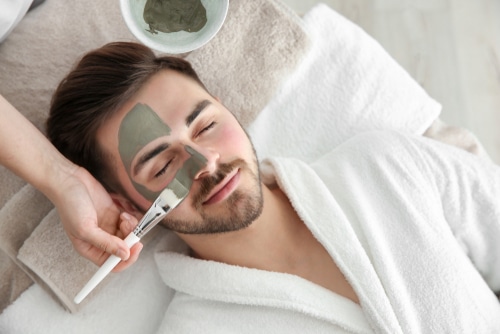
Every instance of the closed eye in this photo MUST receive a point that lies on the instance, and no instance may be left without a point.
(211, 125)
(163, 170)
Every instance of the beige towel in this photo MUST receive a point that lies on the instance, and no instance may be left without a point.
(57, 267)
(456, 136)
(260, 43)
(18, 218)
(13, 281)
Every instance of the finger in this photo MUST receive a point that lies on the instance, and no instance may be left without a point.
(107, 243)
(88, 251)
(128, 223)
(134, 255)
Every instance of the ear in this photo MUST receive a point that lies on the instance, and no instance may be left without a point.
(125, 205)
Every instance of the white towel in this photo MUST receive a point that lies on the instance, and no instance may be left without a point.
(346, 85)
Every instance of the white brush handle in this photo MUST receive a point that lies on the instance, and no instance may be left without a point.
(104, 270)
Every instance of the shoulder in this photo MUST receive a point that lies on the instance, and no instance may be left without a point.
(379, 145)
(377, 154)
(381, 141)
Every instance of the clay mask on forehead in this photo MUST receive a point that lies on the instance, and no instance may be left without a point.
(140, 127)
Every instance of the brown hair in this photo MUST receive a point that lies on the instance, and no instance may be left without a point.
(98, 86)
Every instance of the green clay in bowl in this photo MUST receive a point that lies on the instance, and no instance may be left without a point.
(174, 15)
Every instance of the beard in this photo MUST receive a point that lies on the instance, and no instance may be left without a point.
(236, 212)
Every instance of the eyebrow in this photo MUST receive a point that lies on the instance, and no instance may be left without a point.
(148, 156)
(197, 111)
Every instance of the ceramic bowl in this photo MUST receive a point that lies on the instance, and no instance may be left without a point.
(173, 42)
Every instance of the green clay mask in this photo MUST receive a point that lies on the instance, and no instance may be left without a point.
(140, 127)
(189, 169)
(174, 15)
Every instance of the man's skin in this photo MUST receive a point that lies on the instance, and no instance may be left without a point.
(229, 215)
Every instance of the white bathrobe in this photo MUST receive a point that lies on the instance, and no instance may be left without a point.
(413, 224)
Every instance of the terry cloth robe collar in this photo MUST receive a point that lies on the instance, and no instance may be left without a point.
(254, 287)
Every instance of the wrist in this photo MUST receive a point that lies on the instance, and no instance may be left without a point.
(59, 174)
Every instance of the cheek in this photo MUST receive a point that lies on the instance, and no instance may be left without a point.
(138, 199)
(233, 138)
(183, 211)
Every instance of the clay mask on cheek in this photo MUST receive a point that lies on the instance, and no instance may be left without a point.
(140, 127)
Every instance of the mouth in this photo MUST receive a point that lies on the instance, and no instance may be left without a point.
(224, 188)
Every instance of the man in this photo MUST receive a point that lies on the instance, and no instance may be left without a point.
(380, 235)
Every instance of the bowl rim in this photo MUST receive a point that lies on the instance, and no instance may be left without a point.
(170, 48)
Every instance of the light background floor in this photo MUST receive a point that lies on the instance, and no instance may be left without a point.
(451, 47)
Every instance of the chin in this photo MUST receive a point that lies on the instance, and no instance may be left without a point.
(237, 212)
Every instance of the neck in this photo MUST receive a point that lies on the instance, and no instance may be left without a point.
(271, 240)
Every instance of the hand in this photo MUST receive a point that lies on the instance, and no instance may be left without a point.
(93, 222)
(87, 212)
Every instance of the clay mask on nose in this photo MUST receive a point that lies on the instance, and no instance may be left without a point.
(140, 127)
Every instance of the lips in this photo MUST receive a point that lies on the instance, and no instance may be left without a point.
(224, 188)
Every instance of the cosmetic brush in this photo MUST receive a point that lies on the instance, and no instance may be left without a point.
(168, 199)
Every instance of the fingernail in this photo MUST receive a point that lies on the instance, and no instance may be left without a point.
(126, 216)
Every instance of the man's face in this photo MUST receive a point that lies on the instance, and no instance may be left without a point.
(174, 127)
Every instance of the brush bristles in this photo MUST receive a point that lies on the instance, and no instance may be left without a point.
(173, 194)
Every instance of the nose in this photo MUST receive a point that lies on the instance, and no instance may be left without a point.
(208, 160)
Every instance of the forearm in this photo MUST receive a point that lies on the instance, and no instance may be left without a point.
(87, 212)
(29, 154)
